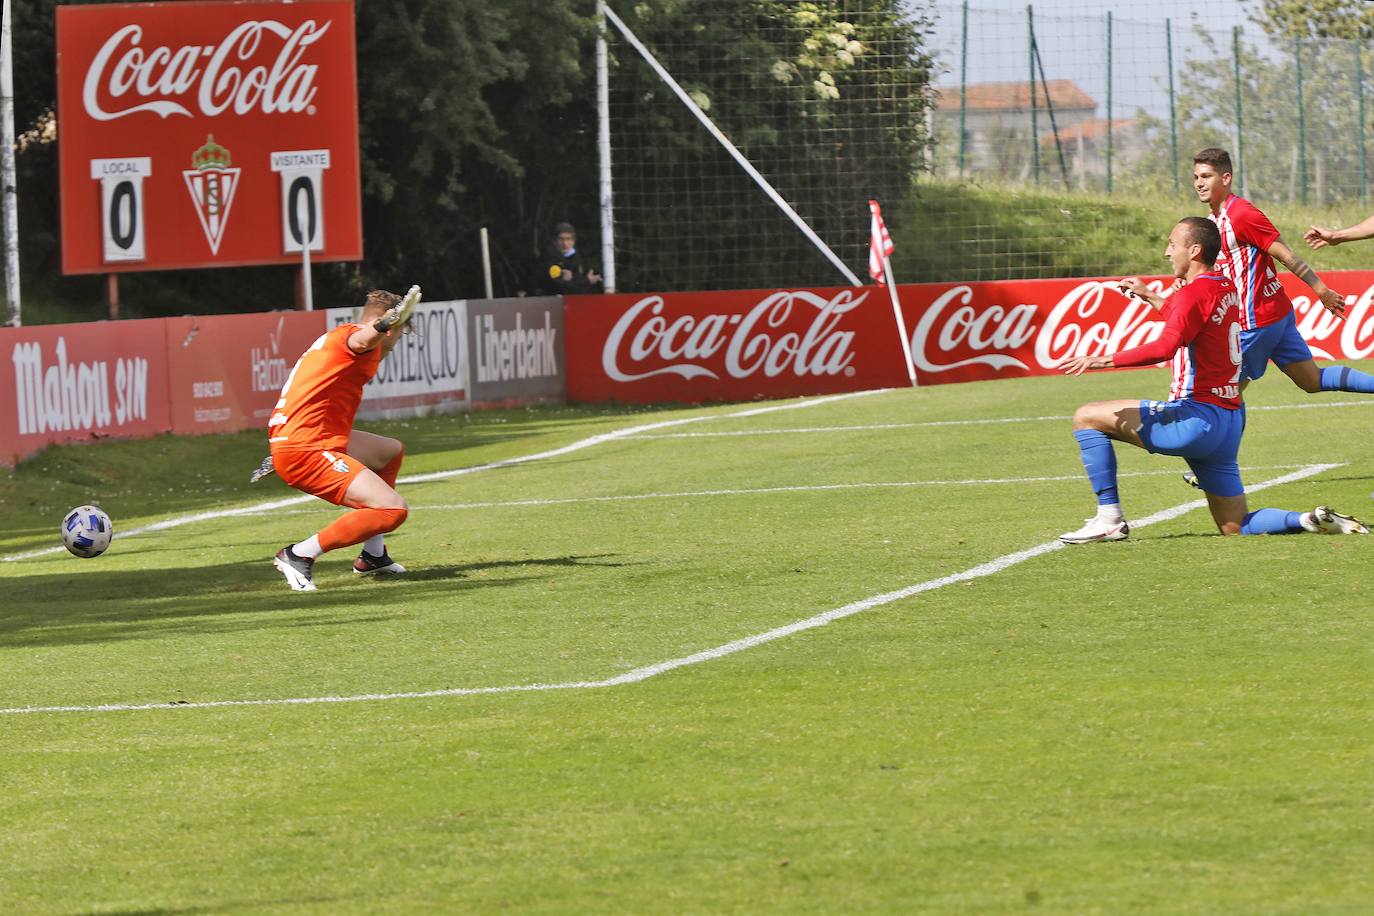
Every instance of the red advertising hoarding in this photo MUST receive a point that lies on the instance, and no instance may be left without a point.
(226, 372)
(730, 345)
(742, 345)
(964, 332)
(74, 382)
(207, 134)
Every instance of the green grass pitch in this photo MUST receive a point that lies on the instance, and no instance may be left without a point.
(1179, 723)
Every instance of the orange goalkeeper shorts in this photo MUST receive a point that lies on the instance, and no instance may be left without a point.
(325, 473)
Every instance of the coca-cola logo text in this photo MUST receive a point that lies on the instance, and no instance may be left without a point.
(986, 334)
(220, 76)
(753, 342)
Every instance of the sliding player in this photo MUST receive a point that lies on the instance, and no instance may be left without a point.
(1202, 421)
(1249, 246)
(316, 450)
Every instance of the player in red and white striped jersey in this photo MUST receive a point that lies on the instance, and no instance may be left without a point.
(1250, 244)
(1203, 419)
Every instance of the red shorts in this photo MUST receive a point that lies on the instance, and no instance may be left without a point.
(325, 473)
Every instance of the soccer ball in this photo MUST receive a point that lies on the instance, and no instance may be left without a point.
(87, 531)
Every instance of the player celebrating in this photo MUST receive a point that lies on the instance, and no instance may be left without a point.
(1249, 246)
(316, 450)
(1202, 421)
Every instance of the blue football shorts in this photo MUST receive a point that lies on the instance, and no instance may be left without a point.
(1279, 342)
(1205, 435)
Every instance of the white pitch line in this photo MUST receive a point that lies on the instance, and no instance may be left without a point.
(628, 432)
(808, 488)
(646, 672)
(797, 488)
(930, 423)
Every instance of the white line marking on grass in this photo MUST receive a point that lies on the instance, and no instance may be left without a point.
(628, 432)
(730, 648)
(800, 488)
(929, 423)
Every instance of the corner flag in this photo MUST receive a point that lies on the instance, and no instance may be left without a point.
(880, 268)
(880, 245)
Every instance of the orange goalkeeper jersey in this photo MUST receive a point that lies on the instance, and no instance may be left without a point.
(321, 395)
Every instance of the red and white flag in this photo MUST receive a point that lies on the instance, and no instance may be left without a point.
(879, 243)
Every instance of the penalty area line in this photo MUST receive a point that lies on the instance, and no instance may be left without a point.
(992, 567)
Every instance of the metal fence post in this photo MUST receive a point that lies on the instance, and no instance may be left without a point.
(1035, 127)
(963, 92)
(1109, 102)
(1240, 130)
(1302, 123)
(1173, 114)
(1359, 94)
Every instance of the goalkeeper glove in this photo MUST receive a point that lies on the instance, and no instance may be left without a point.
(399, 315)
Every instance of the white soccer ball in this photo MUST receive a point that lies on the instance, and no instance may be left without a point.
(87, 531)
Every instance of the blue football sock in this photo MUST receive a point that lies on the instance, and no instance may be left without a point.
(1343, 378)
(1272, 521)
(1099, 460)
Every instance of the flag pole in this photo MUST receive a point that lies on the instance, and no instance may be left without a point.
(901, 322)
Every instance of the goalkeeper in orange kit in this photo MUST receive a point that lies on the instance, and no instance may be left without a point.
(316, 450)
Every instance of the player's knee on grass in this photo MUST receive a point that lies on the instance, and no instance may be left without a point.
(1228, 512)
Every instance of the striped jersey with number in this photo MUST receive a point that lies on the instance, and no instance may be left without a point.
(1246, 234)
(1207, 365)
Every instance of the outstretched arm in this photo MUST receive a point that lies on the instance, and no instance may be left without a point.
(1319, 237)
(1156, 351)
(1334, 301)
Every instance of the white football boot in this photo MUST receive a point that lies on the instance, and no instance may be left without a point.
(1097, 529)
(1332, 522)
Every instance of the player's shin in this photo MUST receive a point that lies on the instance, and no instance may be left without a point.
(1273, 521)
(1099, 461)
(358, 526)
(392, 469)
(1343, 378)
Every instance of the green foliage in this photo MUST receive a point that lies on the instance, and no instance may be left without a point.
(478, 114)
(996, 232)
(1290, 19)
(827, 99)
(1316, 160)
(471, 114)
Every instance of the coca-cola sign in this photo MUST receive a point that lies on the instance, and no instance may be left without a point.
(747, 344)
(175, 119)
(234, 74)
(1005, 329)
(732, 345)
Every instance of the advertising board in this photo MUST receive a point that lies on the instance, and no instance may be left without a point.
(78, 382)
(743, 345)
(226, 371)
(515, 350)
(730, 345)
(207, 134)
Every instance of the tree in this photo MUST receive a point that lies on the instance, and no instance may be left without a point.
(1277, 153)
(827, 100)
(473, 113)
(1288, 19)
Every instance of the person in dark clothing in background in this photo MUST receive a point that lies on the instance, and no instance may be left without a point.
(563, 270)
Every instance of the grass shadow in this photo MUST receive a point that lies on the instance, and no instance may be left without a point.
(122, 604)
